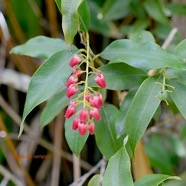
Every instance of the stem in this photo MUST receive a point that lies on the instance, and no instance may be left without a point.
(87, 66)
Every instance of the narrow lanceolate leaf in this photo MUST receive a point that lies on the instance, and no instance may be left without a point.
(106, 137)
(40, 47)
(74, 139)
(120, 76)
(141, 111)
(180, 50)
(178, 95)
(154, 180)
(145, 56)
(47, 80)
(84, 16)
(70, 21)
(118, 171)
(53, 107)
(95, 180)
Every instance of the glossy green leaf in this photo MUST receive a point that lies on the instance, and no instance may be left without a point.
(58, 3)
(75, 141)
(180, 50)
(120, 76)
(70, 21)
(95, 180)
(157, 12)
(53, 107)
(120, 120)
(115, 9)
(154, 180)
(141, 111)
(145, 56)
(177, 9)
(40, 47)
(142, 37)
(106, 137)
(118, 170)
(50, 77)
(178, 95)
(84, 16)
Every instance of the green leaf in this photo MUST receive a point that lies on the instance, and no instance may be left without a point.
(84, 16)
(145, 56)
(176, 9)
(53, 107)
(142, 37)
(58, 3)
(141, 111)
(154, 180)
(120, 120)
(118, 171)
(50, 77)
(95, 180)
(120, 76)
(115, 9)
(178, 95)
(74, 139)
(105, 134)
(157, 12)
(70, 21)
(40, 47)
(180, 50)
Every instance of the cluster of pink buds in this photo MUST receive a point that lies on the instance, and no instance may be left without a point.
(92, 102)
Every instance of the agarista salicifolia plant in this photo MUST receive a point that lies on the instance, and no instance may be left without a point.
(89, 100)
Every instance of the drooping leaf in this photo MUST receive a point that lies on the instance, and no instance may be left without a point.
(120, 76)
(157, 12)
(53, 107)
(180, 50)
(74, 139)
(106, 137)
(70, 21)
(58, 3)
(178, 95)
(40, 47)
(95, 180)
(120, 120)
(118, 171)
(50, 77)
(84, 16)
(145, 56)
(141, 111)
(154, 180)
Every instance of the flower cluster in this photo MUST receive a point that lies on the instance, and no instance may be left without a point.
(91, 100)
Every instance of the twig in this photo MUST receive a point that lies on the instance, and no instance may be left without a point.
(7, 174)
(85, 176)
(76, 168)
(102, 170)
(57, 143)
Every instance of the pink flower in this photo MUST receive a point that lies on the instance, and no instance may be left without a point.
(100, 80)
(71, 80)
(72, 89)
(75, 60)
(77, 72)
(75, 123)
(96, 100)
(91, 127)
(95, 113)
(82, 128)
(83, 115)
(70, 111)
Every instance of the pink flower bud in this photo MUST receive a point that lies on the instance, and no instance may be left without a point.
(72, 89)
(91, 127)
(70, 111)
(72, 102)
(100, 80)
(77, 72)
(82, 128)
(83, 115)
(96, 101)
(95, 113)
(71, 80)
(75, 60)
(88, 96)
(75, 123)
